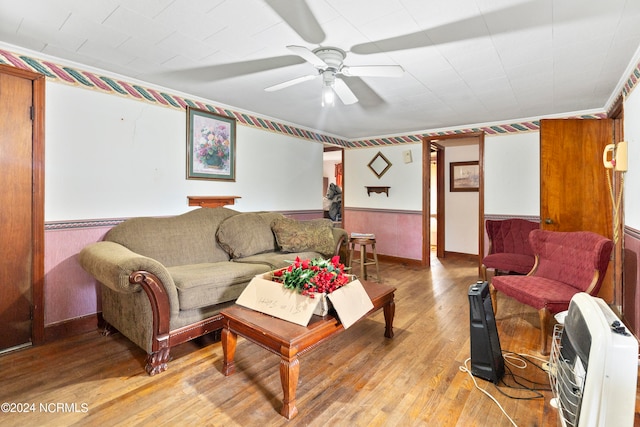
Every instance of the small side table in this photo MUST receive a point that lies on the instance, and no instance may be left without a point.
(364, 260)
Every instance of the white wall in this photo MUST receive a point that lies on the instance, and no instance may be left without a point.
(461, 208)
(95, 143)
(632, 177)
(512, 174)
(111, 157)
(405, 179)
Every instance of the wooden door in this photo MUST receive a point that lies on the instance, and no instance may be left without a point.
(21, 222)
(574, 194)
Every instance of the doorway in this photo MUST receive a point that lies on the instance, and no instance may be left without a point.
(22, 226)
(437, 146)
(333, 184)
(433, 211)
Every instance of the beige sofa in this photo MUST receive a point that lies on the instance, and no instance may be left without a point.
(165, 280)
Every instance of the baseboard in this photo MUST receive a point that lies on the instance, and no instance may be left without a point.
(389, 258)
(399, 260)
(72, 327)
(461, 255)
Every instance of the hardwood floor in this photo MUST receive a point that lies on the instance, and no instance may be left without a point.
(359, 378)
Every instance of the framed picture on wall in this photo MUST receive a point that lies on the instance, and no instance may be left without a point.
(464, 176)
(211, 145)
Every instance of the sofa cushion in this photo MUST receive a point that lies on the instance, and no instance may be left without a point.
(202, 285)
(189, 238)
(517, 263)
(245, 234)
(277, 260)
(302, 236)
(269, 217)
(537, 292)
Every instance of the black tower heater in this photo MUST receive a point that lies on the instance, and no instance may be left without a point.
(486, 356)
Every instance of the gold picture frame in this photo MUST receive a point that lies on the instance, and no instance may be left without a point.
(379, 165)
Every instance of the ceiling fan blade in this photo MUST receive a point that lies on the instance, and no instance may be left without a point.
(373, 71)
(344, 93)
(290, 83)
(463, 29)
(308, 56)
(300, 18)
(367, 97)
(209, 73)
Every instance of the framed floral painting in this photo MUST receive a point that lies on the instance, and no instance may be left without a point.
(211, 145)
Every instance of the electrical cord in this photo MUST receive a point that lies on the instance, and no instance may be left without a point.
(509, 357)
(616, 203)
(465, 368)
(519, 361)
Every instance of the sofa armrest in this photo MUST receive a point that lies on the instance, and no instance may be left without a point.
(112, 264)
(341, 238)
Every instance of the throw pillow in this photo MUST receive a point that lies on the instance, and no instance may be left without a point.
(245, 234)
(300, 236)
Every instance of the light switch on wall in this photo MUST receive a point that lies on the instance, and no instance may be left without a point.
(407, 156)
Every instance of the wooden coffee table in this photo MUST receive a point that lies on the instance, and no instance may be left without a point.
(290, 340)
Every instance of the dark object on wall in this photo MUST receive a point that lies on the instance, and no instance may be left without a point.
(631, 298)
(486, 354)
(378, 190)
(334, 196)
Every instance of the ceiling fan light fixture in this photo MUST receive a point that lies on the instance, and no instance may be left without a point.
(328, 96)
(328, 82)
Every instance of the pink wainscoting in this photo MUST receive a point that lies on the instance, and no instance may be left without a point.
(69, 292)
(630, 280)
(398, 233)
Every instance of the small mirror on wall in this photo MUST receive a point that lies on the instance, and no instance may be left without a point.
(379, 164)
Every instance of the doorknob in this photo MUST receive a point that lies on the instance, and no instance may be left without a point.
(548, 221)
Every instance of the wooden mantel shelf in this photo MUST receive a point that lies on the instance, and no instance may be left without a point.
(212, 201)
(377, 190)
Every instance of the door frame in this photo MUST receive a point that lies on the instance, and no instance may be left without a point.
(440, 143)
(37, 201)
(616, 113)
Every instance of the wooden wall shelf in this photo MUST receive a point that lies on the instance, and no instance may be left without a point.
(212, 201)
(377, 190)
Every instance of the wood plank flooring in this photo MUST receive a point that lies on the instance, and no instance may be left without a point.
(359, 378)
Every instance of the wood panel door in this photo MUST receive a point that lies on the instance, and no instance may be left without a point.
(21, 213)
(574, 194)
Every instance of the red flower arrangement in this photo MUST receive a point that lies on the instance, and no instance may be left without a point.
(310, 276)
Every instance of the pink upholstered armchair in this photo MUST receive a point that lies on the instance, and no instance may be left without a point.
(565, 263)
(509, 249)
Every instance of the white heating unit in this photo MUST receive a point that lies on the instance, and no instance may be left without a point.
(593, 366)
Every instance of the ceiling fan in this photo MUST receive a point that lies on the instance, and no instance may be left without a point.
(329, 63)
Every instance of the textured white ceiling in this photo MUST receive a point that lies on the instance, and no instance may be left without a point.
(466, 61)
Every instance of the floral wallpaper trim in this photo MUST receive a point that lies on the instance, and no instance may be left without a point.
(90, 80)
(86, 79)
(632, 81)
